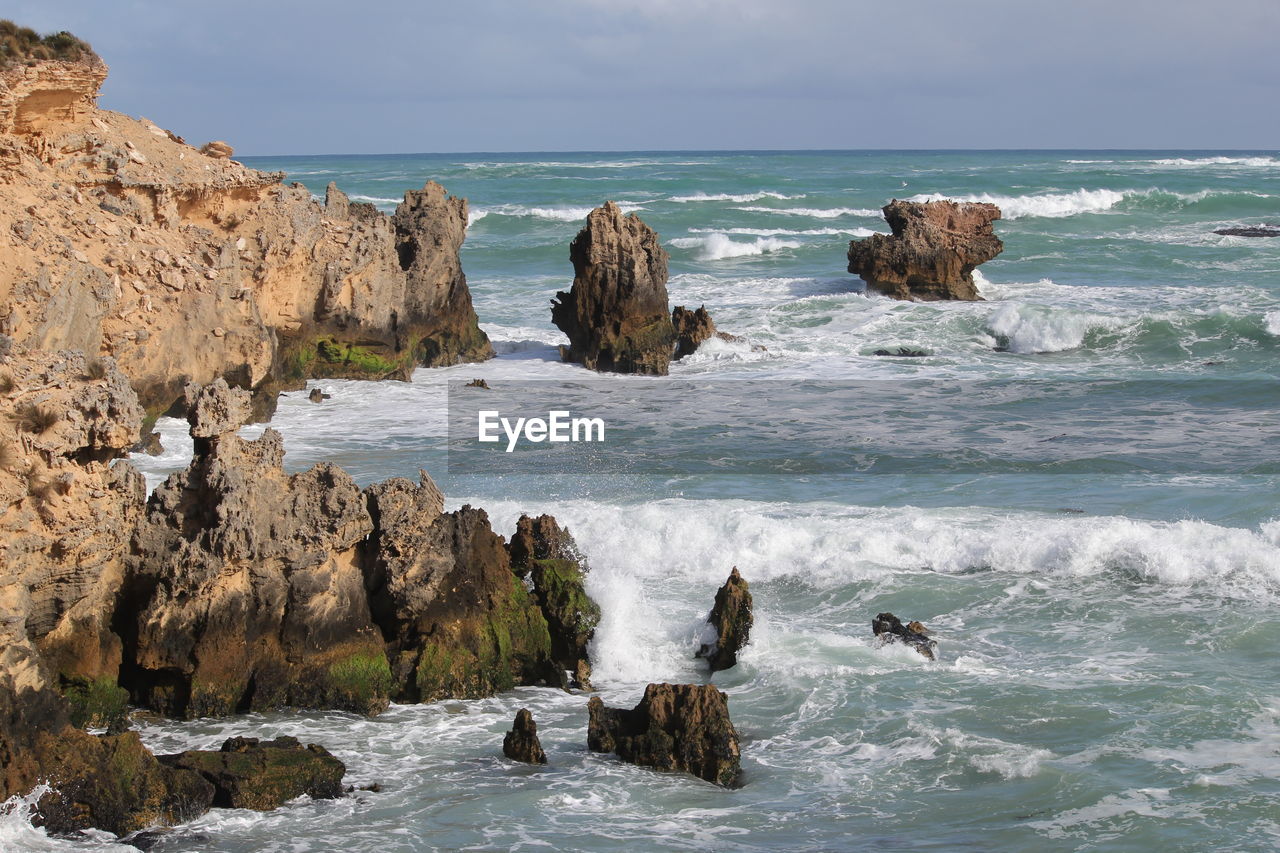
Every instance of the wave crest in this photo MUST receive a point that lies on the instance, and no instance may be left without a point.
(717, 246)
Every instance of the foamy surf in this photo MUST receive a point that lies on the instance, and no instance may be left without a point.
(1047, 205)
(717, 246)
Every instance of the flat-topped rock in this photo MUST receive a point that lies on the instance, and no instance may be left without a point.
(933, 250)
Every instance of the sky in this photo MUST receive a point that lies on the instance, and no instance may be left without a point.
(400, 76)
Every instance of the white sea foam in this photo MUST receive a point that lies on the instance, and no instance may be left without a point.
(1048, 205)
(813, 212)
(1273, 323)
(746, 197)
(373, 199)
(17, 832)
(852, 231)
(475, 215)
(717, 246)
(1201, 162)
(566, 213)
(1037, 329)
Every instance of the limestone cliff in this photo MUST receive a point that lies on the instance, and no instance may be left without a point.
(117, 238)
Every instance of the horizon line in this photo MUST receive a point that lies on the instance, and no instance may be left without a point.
(669, 151)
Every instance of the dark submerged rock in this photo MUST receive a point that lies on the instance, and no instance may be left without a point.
(1249, 231)
(248, 773)
(521, 743)
(676, 727)
(902, 352)
(731, 619)
(931, 255)
(888, 628)
(615, 314)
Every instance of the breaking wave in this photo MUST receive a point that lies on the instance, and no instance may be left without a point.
(717, 246)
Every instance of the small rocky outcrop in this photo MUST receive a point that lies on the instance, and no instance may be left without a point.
(729, 623)
(888, 629)
(245, 591)
(248, 773)
(217, 149)
(457, 621)
(682, 727)
(546, 554)
(932, 253)
(615, 314)
(1249, 231)
(521, 743)
(692, 328)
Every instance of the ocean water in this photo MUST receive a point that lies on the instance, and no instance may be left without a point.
(1107, 677)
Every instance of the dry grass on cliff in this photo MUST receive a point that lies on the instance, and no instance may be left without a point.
(20, 45)
(95, 369)
(7, 384)
(37, 419)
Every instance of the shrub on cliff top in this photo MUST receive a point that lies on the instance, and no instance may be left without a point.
(24, 45)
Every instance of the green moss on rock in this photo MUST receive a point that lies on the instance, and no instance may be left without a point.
(95, 703)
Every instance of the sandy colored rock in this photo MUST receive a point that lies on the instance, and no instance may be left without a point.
(182, 244)
(932, 253)
(615, 314)
(682, 727)
(217, 149)
(245, 588)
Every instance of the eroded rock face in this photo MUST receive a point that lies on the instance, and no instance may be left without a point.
(729, 622)
(932, 253)
(546, 554)
(246, 591)
(683, 727)
(248, 773)
(615, 314)
(456, 619)
(521, 743)
(692, 328)
(888, 628)
(118, 239)
(67, 509)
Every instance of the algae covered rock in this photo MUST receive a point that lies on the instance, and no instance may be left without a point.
(729, 623)
(248, 773)
(521, 743)
(114, 783)
(457, 621)
(684, 727)
(546, 553)
(615, 314)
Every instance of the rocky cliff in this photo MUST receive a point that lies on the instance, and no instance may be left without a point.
(933, 250)
(118, 239)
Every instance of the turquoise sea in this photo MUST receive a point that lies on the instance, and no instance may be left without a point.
(1107, 628)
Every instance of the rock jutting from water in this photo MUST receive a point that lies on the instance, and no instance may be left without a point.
(933, 250)
(888, 629)
(248, 773)
(183, 265)
(546, 554)
(676, 727)
(729, 623)
(1249, 231)
(615, 314)
(521, 743)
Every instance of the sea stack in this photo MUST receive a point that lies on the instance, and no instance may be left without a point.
(615, 314)
(932, 253)
(683, 727)
(521, 743)
(730, 621)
